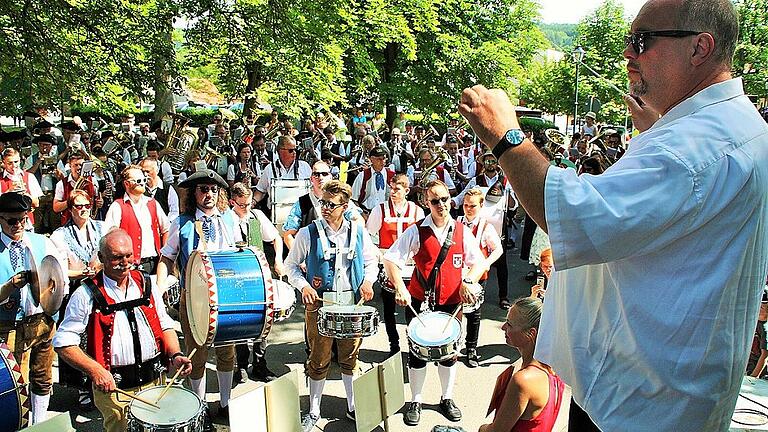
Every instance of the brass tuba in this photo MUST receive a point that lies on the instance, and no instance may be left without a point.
(180, 141)
(555, 139)
(428, 173)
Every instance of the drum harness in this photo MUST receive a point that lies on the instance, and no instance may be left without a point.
(429, 284)
(140, 372)
(326, 244)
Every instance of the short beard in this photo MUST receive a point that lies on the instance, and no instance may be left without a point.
(638, 88)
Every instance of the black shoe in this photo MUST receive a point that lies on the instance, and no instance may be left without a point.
(394, 349)
(473, 360)
(504, 304)
(308, 422)
(351, 415)
(450, 410)
(412, 414)
(262, 373)
(242, 376)
(208, 421)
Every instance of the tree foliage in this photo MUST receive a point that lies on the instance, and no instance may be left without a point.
(751, 59)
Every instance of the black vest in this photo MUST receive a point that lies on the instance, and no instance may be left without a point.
(308, 214)
(161, 196)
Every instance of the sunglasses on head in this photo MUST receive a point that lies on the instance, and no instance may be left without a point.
(639, 39)
(15, 221)
(205, 188)
(330, 205)
(437, 201)
(319, 174)
(81, 206)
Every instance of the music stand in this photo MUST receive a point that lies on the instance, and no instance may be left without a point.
(385, 380)
(273, 407)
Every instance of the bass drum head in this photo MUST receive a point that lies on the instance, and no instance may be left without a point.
(200, 296)
(178, 407)
(14, 399)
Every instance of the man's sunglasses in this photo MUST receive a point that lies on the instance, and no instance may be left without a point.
(138, 181)
(639, 39)
(81, 206)
(289, 150)
(330, 205)
(319, 174)
(205, 189)
(437, 201)
(15, 221)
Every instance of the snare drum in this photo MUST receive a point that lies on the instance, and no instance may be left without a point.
(180, 411)
(406, 273)
(479, 293)
(14, 399)
(285, 300)
(348, 321)
(172, 294)
(429, 342)
(229, 296)
(283, 194)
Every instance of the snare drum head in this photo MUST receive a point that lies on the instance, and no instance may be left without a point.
(347, 310)
(178, 406)
(14, 399)
(431, 332)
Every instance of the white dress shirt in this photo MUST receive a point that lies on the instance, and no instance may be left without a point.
(141, 210)
(302, 171)
(340, 238)
(225, 237)
(489, 238)
(660, 264)
(373, 195)
(268, 231)
(79, 310)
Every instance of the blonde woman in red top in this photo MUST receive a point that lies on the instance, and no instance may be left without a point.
(529, 399)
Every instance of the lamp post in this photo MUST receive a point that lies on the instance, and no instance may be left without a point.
(578, 56)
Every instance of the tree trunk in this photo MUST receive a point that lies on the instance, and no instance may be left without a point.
(255, 80)
(390, 63)
(163, 78)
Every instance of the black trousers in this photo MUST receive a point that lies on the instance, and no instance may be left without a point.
(413, 361)
(473, 323)
(244, 353)
(579, 421)
(502, 275)
(388, 298)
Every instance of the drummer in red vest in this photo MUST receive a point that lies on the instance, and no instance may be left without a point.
(142, 217)
(130, 335)
(387, 222)
(441, 248)
(371, 186)
(17, 180)
(340, 269)
(65, 186)
(492, 249)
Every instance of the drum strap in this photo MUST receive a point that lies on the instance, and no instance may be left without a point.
(429, 284)
(321, 223)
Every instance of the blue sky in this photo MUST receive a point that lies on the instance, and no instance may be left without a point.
(572, 11)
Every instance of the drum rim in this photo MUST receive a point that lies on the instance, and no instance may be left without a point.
(171, 389)
(21, 390)
(213, 312)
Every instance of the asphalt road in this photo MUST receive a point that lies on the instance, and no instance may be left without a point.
(286, 352)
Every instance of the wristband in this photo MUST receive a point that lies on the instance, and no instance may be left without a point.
(176, 354)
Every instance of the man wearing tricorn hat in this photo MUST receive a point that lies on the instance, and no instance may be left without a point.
(23, 325)
(200, 204)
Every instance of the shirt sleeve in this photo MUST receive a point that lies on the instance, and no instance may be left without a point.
(491, 239)
(263, 184)
(293, 221)
(114, 214)
(58, 194)
(75, 319)
(268, 231)
(597, 219)
(231, 173)
(370, 258)
(296, 256)
(405, 246)
(166, 322)
(357, 186)
(173, 203)
(162, 219)
(472, 254)
(34, 187)
(373, 225)
(171, 248)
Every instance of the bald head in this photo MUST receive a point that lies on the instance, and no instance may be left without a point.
(116, 253)
(114, 240)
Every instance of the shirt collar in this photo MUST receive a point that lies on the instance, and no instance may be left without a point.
(112, 284)
(199, 213)
(142, 199)
(7, 240)
(429, 223)
(6, 174)
(713, 94)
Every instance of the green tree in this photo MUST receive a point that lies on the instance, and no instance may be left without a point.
(751, 59)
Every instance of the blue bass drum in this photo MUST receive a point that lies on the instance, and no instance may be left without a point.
(14, 399)
(229, 296)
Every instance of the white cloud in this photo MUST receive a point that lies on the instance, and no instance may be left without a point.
(572, 11)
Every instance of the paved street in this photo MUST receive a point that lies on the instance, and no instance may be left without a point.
(286, 352)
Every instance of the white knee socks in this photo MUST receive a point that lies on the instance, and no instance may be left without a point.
(225, 386)
(315, 395)
(347, 379)
(447, 379)
(416, 379)
(39, 407)
(198, 386)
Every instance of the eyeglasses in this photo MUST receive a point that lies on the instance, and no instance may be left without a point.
(205, 189)
(330, 205)
(319, 174)
(242, 206)
(289, 150)
(470, 205)
(490, 161)
(81, 206)
(639, 39)
(138, 181)
(437, 201)
(15, 221)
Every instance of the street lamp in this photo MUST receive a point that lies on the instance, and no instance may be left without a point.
(578, 56)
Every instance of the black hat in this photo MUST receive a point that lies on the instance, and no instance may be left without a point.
(48, 138)
(378, 151)
(14, 202)
(468, 137)
(30, 114)
(70, 126)
(203, 176)
(44, 124)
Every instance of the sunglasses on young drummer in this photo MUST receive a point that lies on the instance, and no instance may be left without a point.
(138, 181)
(330, 205)
(15, 221)
(319, 174)
(205, 189)
(242, 206)
(437, 201)
(81, 206)
(639, 39)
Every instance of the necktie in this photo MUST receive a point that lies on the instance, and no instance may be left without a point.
(209, 229)
(17, 255)
(379, 181)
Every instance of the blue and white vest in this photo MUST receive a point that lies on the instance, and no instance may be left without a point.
(188, 238)
(321, 266)
(11, 310)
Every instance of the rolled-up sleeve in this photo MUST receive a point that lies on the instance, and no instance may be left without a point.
(293, 221)
(75, 319)
(296, 257)
(637, 206)
(404, 247)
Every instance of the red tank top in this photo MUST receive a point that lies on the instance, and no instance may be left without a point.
(545, 421)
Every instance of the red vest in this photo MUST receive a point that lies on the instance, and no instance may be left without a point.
(6, 184)
(388, 232)
(441, 173)
(130, 224)
(478, 231)
(88, 188)
(101, 325)
(449, 276)
(367, 174)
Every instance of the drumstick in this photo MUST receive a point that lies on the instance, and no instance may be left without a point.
(138, 398)
(331, 302)
(417, 315)
(173, 380)
(456, 312)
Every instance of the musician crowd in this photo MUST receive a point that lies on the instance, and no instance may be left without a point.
(343, 210)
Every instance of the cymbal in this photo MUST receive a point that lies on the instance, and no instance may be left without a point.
(49, 284)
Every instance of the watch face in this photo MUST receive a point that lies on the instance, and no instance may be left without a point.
(515, 136)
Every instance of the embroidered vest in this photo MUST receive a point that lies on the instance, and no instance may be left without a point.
(321, 267)
(130, 224)
(449, 276)
(393, 226)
